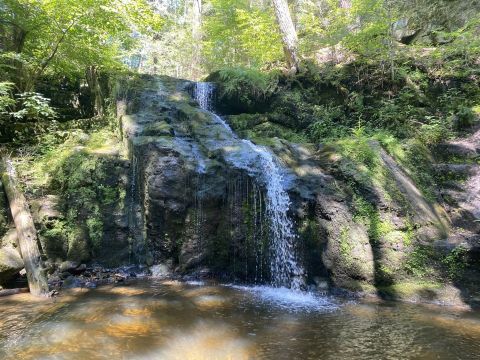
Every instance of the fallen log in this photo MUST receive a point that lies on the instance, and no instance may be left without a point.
(27, 234)
(8, 292)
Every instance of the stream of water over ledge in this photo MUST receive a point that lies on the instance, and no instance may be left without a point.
(262, 165)
(153, 319)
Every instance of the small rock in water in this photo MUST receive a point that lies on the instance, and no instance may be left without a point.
(119, 277)
(68, 266)
(72, 282)
(82, 267)
(160, 271)
(53, 293)
(90, 285)
(64, 275)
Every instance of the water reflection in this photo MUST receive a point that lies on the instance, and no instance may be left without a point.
(173, 320)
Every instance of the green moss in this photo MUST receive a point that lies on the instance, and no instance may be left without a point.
(367, 214)
(358, 149)
(83, 171)
(455, 262)
(345, 245)
(160, 128)
(78, 247)
(95, 231)
(419, 261)
(408, 289)
(3, 212)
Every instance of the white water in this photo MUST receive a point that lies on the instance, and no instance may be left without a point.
(290, 300)
(259, 162)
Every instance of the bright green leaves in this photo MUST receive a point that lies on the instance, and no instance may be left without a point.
(64, 37)
(6, 101)
(239, 34)
(34, 107)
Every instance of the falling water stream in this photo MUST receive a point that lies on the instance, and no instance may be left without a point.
(263, 165)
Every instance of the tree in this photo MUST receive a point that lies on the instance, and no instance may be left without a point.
(196, 34)
(289, 34)
(240, 33)
(66, 37)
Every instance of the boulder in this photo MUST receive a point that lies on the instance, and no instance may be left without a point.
(10, 264)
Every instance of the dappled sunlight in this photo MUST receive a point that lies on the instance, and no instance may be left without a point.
(362, 311)
(128, 326)
(452, 323)
(205, 341)
(123, 290)
(175, 320)
(206, 302)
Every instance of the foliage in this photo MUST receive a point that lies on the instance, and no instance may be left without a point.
(65, 37)
(245, 82)
(6, 100)
(455, 262)
(419, 261)
(239, 34)
(34, 107)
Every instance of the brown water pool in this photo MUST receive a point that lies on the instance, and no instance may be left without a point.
(174, 320)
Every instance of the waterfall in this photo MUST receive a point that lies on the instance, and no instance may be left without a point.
(260, 163)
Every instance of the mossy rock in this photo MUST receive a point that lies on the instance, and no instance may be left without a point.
(160, 128)
(411, 290)
(78, 248)
(3, 212)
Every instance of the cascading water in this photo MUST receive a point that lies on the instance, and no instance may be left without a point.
(261, 163)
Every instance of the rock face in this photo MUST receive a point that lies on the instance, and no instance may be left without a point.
(191, 209)
(187, 206)
(183, 203)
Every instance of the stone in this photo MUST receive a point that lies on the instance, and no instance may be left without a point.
(72, 282)
(160, 271)
(68, 266)
(10, 264)
(45, 208)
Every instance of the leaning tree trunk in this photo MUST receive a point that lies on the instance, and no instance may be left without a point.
(27, 235)
(289, 35)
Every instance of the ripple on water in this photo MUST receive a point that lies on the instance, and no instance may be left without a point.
(290, 300)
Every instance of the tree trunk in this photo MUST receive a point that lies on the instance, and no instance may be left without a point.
(289, 35)
(9, 292)
(27, 235)
(197, 36)
(93, 82)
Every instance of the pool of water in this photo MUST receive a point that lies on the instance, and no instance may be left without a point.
(174, 320)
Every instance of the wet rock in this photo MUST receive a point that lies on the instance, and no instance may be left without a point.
(160, 271)
(72, 282)
(90, 285)
(10, 263)
(68, 266)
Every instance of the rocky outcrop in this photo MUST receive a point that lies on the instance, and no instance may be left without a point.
(361, 226)
(188, 206)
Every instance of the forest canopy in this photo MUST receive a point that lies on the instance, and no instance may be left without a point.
(71, 51)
